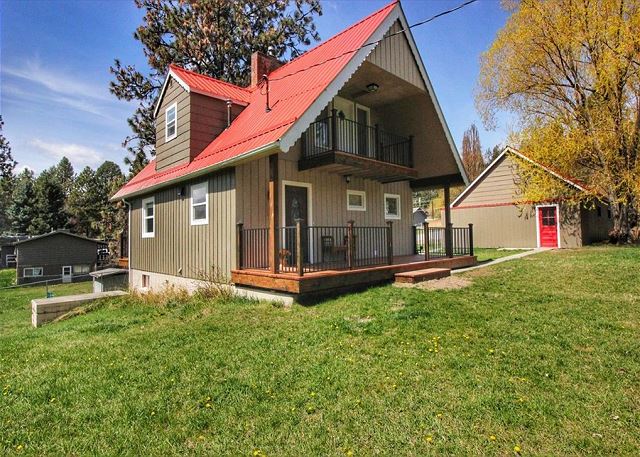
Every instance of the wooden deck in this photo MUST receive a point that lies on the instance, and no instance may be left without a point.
(328, 281)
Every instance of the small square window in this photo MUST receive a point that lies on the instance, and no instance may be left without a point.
(171, 122)
(391, 206)
(199, 203)
(145, 281)
(356, 200)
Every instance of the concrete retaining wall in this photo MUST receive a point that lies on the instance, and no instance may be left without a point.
(47, 309)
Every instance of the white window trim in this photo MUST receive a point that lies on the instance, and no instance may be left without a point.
(32, 275)
(70, 270)
(361, 193)
(146, 234)
(204, 221)
(384, 204)
(166, 123)
(557, 207)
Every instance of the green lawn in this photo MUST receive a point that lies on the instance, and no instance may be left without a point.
(486, 254)
(542, 353)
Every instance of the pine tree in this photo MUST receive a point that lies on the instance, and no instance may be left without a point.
(50, 204)
(83, 204)
(215, 38)
(22, 209)
(491, 153)
(109, 179)
(7, 167)
(65, 175)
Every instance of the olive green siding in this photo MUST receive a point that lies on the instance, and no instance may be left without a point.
(177, 150)
(52, 253)
(179, 248)
(498, 186)
(596, 227)
(252, 180)
(394, 55)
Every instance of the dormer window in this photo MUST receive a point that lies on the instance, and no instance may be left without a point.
(171, 122)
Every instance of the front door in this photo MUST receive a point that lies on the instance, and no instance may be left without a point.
(66, 274)
(296, 207)
(548, 226)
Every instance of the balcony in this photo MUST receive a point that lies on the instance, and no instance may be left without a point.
(351, 148)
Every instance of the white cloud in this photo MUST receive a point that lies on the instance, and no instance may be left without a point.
(79, 155)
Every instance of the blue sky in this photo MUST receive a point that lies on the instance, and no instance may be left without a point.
(55, 58)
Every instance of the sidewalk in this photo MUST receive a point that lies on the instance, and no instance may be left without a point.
(502, 259)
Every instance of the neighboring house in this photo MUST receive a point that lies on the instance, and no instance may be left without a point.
(500, 219)
(58, 255)
(419, 216)
(7, 251)
(308, 173)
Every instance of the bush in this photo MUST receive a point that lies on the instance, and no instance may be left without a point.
(214, 285)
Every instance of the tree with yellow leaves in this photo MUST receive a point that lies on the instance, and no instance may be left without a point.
(570, 71)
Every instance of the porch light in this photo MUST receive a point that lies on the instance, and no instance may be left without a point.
(373, 87)
(347, 178)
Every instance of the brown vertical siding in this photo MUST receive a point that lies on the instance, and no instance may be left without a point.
(395, 56)
(208, 118)
(179, 248)
(175, 151)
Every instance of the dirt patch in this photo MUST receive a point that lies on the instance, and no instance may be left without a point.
(448, 283)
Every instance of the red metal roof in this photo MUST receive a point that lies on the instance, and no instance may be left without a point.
(210, 86)
(301, 84)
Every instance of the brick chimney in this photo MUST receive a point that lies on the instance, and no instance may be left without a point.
(262, 64)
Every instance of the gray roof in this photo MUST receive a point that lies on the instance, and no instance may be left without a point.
(108, 272)
(58, 232)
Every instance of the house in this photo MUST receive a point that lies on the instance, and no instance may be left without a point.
(419, 216)
(500, 219)
(301, 182)
(7, 250)
(58, 255)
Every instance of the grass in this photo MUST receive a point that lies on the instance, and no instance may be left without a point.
(542, 353)
(486, 254)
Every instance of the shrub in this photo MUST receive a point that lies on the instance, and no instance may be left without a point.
(214, 285)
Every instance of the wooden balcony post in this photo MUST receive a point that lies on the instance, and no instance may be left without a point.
(239, 246)
(448, 233)
(299, 247)
(334, 129)
(471, 239)
(273, 214)
(350, 244)
(425, 227)
(410, 151)
(390, 242)
(414, 236)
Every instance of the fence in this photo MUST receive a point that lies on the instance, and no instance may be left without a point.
(315, 248)
(436, 243)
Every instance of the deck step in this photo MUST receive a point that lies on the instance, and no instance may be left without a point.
(412, 277)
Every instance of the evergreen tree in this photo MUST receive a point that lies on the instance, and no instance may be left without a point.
(50, 204)
(7, 167)
(84, 203)
(215, 38)
(109, 179)
(64, 175)
(21, 208)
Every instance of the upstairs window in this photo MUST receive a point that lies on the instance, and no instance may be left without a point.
(199, 203)
(148, 218)
(171, 122)
(391, 206)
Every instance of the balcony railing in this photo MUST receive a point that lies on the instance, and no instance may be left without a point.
(435, 242)
(336, 134)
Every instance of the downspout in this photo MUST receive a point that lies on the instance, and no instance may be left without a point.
(128, 241)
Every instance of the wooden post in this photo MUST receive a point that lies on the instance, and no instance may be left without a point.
(425, 227)
(299, 247)
(414, 234)
(448, 232)
(334, 129)
(239, 246)
(273, 214)
(390, 242)
(471, 239)
(350, 244)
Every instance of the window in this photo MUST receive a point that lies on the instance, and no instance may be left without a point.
(549, 216)
(171, 122)
(200, 203)
(81, 269)
(148, 218)
(391, 206)
(356, 200)
(66, 271)
(145, 281)
(32, 272)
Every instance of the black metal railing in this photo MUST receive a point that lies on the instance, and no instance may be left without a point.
(444, 242)
(301, 249)
(337, 134)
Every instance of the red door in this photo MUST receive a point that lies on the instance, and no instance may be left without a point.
(548, 226)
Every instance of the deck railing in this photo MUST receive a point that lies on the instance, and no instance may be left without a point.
(302, 249)
(337, 134)
(444, 241)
